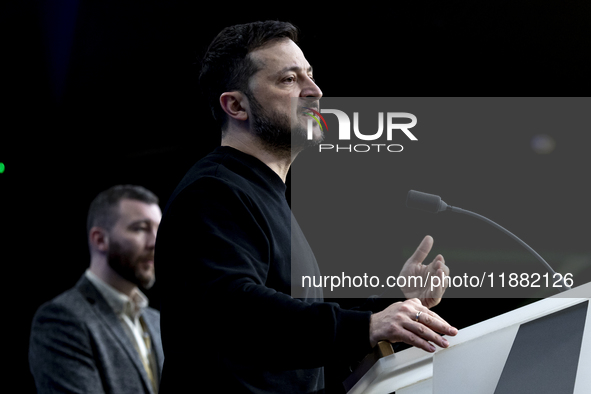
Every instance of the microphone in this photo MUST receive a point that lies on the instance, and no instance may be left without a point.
(433, 204)
(425, 202)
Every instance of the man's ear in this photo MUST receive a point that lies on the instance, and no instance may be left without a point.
(99, 239)
(235, 104)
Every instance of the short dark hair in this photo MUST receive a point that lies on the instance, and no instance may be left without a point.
(103, 211)
(226, 65)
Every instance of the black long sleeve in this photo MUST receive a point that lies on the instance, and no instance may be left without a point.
(224, 253)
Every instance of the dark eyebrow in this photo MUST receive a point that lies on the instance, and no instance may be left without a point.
(293, 68)
(141, 221)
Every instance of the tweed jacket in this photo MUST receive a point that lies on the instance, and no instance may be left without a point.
(79, 345)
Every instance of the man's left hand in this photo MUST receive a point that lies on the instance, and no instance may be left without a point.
(414, 267)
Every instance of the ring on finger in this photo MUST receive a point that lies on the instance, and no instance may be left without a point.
(417, 316)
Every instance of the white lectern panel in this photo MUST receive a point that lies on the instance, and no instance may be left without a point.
(479, 357)
(474, 366)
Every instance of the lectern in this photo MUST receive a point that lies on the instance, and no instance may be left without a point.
(544, 347)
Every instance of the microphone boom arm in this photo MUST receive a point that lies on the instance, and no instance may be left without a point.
(509, 233)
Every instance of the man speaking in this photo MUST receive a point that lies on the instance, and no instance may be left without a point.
(228, 240)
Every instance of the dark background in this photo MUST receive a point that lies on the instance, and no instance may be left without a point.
(102, 93)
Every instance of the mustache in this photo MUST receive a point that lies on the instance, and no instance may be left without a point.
(146, 257)
(308, 104)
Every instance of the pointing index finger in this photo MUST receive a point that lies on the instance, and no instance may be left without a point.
(422, 250)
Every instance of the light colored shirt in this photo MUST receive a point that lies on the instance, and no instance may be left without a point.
(128, 310)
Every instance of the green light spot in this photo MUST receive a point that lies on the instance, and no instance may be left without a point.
(2, 167)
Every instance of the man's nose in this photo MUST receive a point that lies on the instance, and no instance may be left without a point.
(151, 239)
(310, 89)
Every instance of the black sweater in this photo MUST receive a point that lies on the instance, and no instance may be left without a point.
(223, 262)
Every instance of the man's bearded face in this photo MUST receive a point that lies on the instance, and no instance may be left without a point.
(286, 132)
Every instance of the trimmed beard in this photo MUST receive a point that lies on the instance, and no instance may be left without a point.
(120, 261)
(276, 131)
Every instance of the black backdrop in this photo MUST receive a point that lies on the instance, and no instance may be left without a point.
(101, 93)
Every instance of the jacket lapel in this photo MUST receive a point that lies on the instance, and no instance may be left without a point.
(154, 331)
(106, 315)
